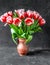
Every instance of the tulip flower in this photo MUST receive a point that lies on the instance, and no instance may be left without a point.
(17, 21)
(30, 13)
(35, 15)
(42, 22)
(5, 14)
(29, 21)
(20, 13)
(3, 19)
(10, 13)
(9, 20)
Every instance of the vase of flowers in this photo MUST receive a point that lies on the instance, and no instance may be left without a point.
(22, 25)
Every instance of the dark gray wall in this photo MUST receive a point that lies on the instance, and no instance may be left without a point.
(42, 6)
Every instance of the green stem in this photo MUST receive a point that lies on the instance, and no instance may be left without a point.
(14, 40)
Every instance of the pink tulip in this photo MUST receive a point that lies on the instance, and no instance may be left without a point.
(10, 13)
(35, 15)
(29, 21)
(30, 13)
(17, 21)
(3, 19)
(9, 20)
(20, 13)
(42, 22)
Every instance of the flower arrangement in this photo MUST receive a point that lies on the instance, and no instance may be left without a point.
(23, 24)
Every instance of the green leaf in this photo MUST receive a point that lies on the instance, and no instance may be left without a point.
(31, 32)
(23, 35)
(34, 25)
(15, 15)
(12, 31)
(15, 28)
(29, 39)
(14, 37)
(39, 29)
(23, 26)
(28, 28)
(20, 31)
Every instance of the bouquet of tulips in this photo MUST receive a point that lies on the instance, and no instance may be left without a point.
(23, 23)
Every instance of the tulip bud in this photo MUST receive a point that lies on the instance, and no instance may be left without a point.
(35, 15)
(5, 14)
(42, 22)
(10, 13)
(29, 21)
(17, 21)
(3, 19)
(9, 20)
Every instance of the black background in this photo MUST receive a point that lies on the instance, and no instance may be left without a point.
(41, 39)
(8, 52)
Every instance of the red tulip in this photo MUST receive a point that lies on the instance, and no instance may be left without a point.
(3, 19)
(9, 20)
(25, 14)
(30, 13)
(35, 15)
(20, 13)
(17, 21)
(29, 21)
(39, 18)
(10, 13)
(42, 22)
(21, 16)
(5, 14)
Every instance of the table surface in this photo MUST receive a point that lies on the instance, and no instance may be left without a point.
(9, 56)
